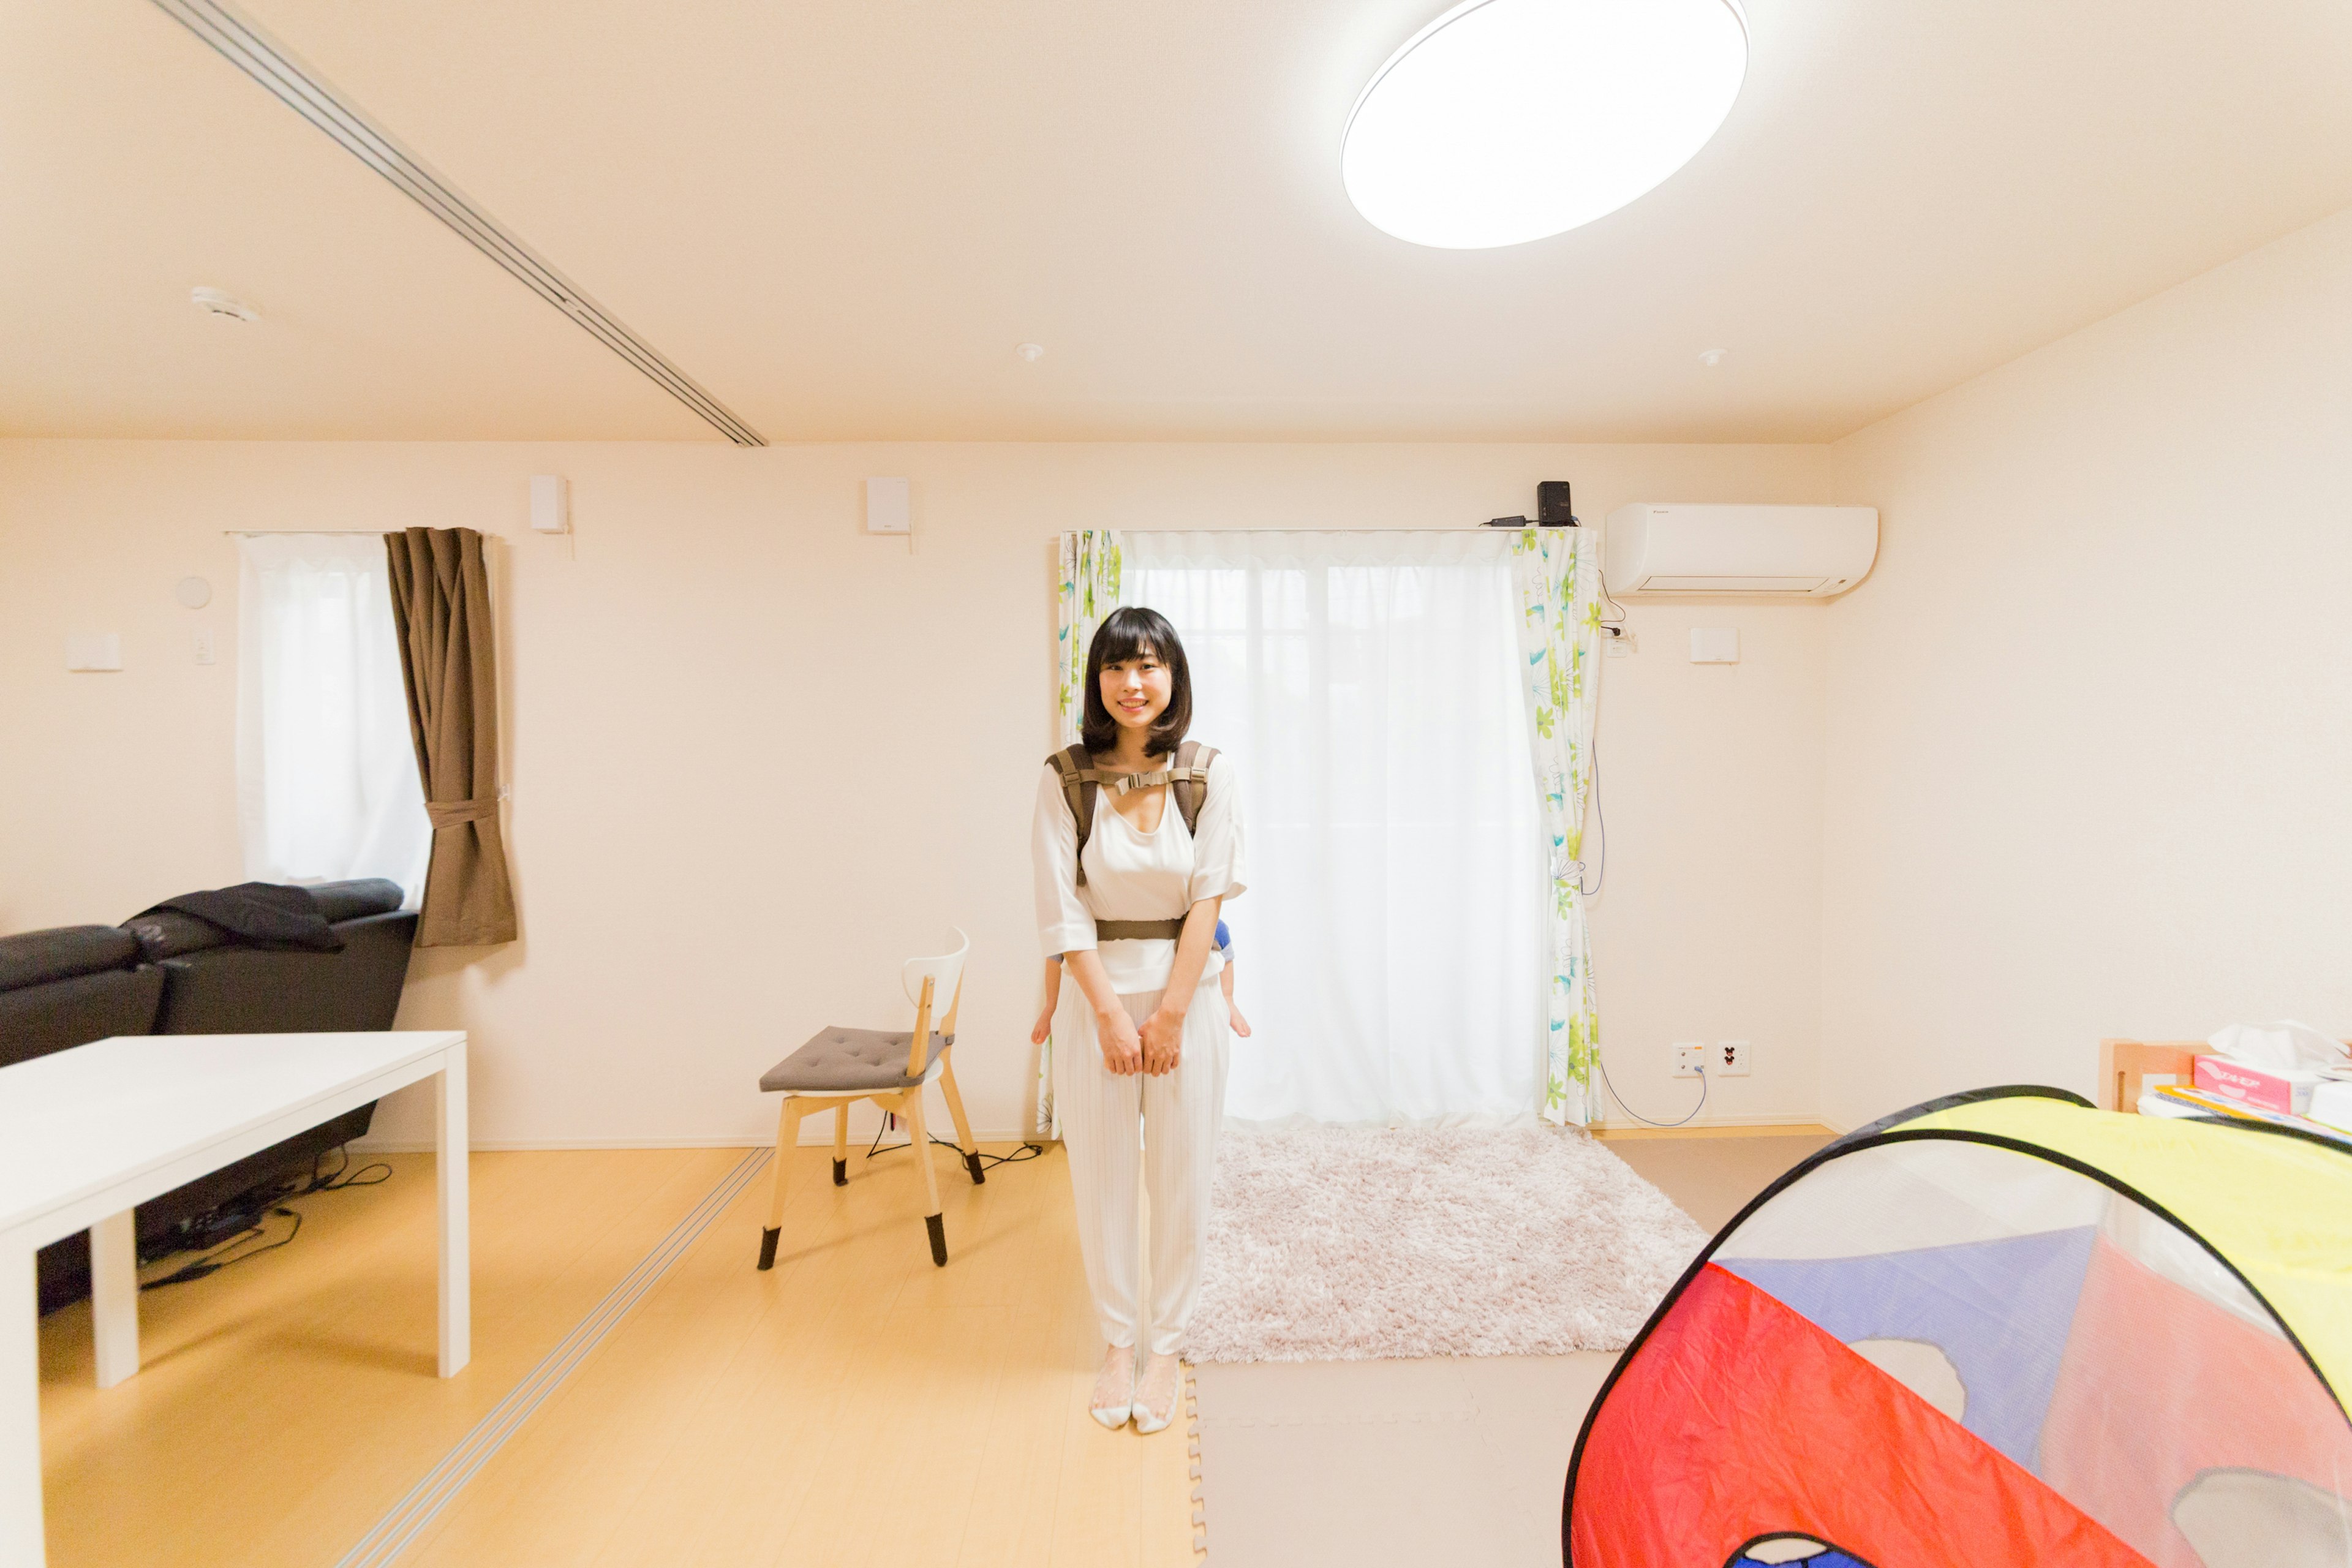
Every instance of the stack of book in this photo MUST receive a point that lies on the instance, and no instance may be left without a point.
(2313, 1099)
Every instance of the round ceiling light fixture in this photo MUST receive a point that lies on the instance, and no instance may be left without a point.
(1506, 120)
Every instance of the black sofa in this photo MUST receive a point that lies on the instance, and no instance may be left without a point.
(169, 973)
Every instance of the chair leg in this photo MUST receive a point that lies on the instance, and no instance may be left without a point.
(912, 1108)
(963, 1128)
(788, 1135)
(841, 1144)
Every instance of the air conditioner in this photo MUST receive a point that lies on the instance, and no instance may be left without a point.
(1656, 547)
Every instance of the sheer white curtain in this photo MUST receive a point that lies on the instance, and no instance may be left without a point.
(1389, 950)
(327, 785)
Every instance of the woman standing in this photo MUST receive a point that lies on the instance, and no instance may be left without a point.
(1139, 1079)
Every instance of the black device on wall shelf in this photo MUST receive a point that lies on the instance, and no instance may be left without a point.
(1552, 509)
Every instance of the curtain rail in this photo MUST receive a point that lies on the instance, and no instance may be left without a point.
(337, 533)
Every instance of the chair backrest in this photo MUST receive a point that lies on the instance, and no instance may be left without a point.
(926, 981)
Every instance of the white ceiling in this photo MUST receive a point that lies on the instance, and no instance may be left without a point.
(842, 218)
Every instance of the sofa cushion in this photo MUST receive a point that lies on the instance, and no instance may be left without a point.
(850, 1061)
(273, 916)
(363, 896)
(238, 990)
(38, 956)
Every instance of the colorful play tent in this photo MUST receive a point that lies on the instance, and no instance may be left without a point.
(2000, 1329)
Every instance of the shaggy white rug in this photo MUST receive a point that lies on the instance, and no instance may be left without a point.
(1333, 1244)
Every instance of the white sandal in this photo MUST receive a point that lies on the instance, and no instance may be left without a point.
(1148, 1419)
(1114, 1396)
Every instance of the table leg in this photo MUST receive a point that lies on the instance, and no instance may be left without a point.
(20, 1410)
(457, 1247)
(114, 1296)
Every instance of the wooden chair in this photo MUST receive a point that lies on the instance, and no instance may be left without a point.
(838, 1067)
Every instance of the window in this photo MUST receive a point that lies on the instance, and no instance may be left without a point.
(1389, 948)
(327, 783)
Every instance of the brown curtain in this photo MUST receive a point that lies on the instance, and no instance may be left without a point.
(441, 611)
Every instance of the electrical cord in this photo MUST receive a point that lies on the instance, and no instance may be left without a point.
(215, 1261)
(987, 1161)
(1599, 821)
(274, 1205)
(343, 1176)
(1637, 1115)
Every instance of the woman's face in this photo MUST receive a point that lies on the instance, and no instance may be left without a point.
(1135, 690)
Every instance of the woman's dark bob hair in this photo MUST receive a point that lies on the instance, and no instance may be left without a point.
(1130, 632)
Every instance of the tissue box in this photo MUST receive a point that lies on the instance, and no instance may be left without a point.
(2285, 1089)
(2331, 1102)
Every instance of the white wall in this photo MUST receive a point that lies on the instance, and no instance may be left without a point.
(2090, 720)
(757, 756)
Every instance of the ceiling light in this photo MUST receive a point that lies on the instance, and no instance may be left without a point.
(218, 302)
(1031, 352)
(1710, 357)
(1506, 120)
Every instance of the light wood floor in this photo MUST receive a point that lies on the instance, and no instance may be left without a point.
(853, 1406)
(1448, 1459)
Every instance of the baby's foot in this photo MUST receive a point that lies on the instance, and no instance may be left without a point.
(1240, 1025)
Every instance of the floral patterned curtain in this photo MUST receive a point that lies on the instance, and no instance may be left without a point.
(1557, 573)
(1087, 589)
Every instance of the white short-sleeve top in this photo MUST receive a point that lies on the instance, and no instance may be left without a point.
(1134, 876)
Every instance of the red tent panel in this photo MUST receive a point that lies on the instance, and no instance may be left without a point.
(2159, 1384)
(1737, 1418)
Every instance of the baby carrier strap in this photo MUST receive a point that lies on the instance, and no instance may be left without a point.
(1187, 777)
(1080, 780)
(1189, 781)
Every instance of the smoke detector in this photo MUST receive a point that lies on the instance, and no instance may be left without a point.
(220, 303)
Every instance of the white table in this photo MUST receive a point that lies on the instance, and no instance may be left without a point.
(89, 1132)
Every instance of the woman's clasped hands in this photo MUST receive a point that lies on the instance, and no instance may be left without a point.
(1155, 1050)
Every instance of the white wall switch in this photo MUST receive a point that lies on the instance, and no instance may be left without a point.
(888, 507)
(204, 646)
(550, 503)
(94, 650)
(1690, 1057)
(1715, 645)
(1733, 1058)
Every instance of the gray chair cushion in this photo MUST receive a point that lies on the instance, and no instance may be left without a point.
(850, 1061)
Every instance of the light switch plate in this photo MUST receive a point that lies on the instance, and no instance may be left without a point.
(1715, 645)
(203, 646)
(888, 507)
(94, 650)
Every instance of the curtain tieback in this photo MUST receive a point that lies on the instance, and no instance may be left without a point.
(451, 813)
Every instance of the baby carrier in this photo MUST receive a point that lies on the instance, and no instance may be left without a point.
(1188, 778)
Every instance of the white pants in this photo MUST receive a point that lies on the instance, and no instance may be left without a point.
(1163, 1127)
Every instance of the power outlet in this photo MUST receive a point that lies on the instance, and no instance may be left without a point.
(1732, 1058)
(1690, 1058)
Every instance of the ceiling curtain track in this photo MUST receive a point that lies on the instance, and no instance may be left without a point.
(244, 46)
(441, 612)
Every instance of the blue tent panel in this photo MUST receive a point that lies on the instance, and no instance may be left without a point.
(1999, 1311)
